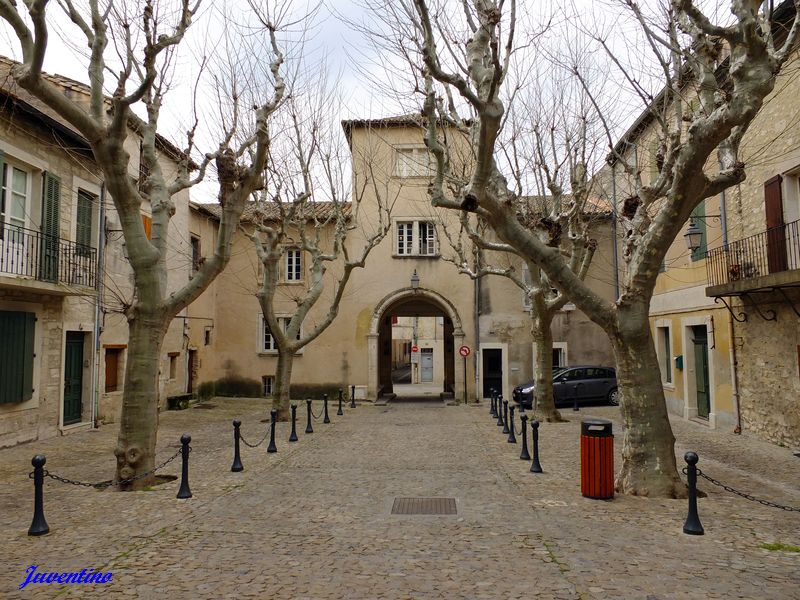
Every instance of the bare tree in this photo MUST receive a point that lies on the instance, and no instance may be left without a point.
(310, 228)
(730, 68)
(139, 44)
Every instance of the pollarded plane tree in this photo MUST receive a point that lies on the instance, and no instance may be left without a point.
(312, 228)
(730, 68)
(132, 50)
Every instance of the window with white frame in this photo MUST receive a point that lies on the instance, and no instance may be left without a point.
(267, 384)
(416, 238)
(294, 264)
(267, 341)
(664, 353)
(14, 199)
(412, 162)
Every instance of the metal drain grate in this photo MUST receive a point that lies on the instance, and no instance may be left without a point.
(424, 506)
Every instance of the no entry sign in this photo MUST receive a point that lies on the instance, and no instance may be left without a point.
(414, 349)
(464, 351)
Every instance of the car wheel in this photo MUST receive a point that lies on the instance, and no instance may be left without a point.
(613, 397)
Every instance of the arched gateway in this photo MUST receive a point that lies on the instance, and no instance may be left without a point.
(411, 302)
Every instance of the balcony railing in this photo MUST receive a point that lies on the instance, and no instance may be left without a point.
(29, 253)
(772, 251)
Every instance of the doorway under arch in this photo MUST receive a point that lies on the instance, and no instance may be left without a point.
(410, 302)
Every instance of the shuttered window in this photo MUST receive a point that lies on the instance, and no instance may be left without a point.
(51, 199)
(83, 223)
(16, 356)
(113, 359)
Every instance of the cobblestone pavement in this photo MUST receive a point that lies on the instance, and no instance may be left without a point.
(313, 520)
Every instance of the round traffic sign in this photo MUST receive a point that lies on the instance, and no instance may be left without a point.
(414, 349)
(464, 351)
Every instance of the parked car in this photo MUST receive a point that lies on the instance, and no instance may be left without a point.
(587, 382)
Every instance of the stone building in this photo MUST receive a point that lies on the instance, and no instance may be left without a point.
(64, 276)
(406, 280)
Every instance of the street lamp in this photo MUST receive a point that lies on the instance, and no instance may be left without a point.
(693, 236)
(415, 281)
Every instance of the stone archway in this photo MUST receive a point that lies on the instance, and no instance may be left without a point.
(412, 302)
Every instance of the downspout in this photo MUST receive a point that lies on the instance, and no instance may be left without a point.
(477, 303)
(723, 212)
(614, 228)
(98, 304)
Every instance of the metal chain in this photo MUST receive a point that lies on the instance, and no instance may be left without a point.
(744, 495)
(261, 441)
(106, 484)
(316, 417)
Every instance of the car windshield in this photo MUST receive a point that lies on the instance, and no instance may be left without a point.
(557, 370)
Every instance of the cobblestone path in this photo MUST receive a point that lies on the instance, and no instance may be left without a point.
(313, 520)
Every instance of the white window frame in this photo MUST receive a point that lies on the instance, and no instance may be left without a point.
(408, 238)
(427, 243)
(667, 377)
(412, 161)
(267, 385)
(7, 192)
(262, 334)
(293, 265)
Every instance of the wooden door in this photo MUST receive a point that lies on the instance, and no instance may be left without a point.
(776, 236)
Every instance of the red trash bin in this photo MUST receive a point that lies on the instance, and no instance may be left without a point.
(597, 459)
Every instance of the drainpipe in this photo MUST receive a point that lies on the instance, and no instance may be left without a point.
(731, 333)
(477, 286)
(614, 228)
(98, 304)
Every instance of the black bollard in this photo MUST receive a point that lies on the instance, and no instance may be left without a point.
(339, 412)
(491, 402)
(309, 428)
(536, 466)
(273, 414)
(692, 525)
(39, 524)
(575, 397)
(184, 491)
(505, 416)
(237, 459)
(512, 438)
(293, 435)
(524, 454)
(500, 410)
(352, 396)
(327, 419)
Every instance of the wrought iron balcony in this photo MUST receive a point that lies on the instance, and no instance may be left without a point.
(31, 254)
(755, 261)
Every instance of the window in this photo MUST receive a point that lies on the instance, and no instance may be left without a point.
(13, 200)
(294, 263)
(416, 238)
(83, 223)
(267, 341)
(412, 162)
(16, 356)
(267, 383)
(664, 353)
(173, 364)
(699, 212)
(207, 336)
(558, 357)
(113, 365)
(196, 255)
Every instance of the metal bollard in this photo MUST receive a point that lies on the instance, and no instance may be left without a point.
(352, 396)
(293, 435)
(339, 412)
(512, 438)
(309, 428)
(184, 491)
(505, 416)
(273, 414)
(237, 459)
(500, 410)
(524, 454)
(327, 419)
(39, 524)
(491, 402)
(692, 525)
(575, 397)
(536, 466)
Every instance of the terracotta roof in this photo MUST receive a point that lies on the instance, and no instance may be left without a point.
(268, 211)
(75, 90)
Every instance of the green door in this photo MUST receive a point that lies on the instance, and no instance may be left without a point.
(700, 340)
(73, 377)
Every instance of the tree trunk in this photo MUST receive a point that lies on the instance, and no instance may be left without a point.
(544, 406)
(138, 429)
(648, 448)
(283, 381)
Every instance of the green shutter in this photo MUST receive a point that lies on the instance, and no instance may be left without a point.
(51, 196)
(83, 227)
(16, 356)
(698, 213)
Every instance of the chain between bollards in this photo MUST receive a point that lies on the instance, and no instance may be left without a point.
(327, 419)
(39, 524)
(237, 459)
(273, 419)
(184, 491)
(293, 435)
(309, 428)
(692, 525)
(536, 466)
(352, 396)
(339, 412)
(524, 455)
(512, 439)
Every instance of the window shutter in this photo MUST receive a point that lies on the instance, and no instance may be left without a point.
(16, 356)
(83, 226)
(51, 196)
(700, 211)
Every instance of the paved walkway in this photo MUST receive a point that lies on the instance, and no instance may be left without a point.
(313, 520)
